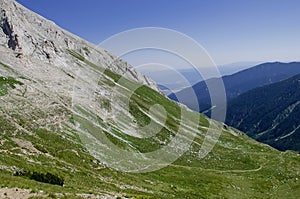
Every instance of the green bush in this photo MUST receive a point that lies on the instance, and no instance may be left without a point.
(41, 177)
(47, 178)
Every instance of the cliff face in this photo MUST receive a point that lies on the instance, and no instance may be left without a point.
(36, 39)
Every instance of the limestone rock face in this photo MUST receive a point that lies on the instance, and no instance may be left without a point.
(34, 39)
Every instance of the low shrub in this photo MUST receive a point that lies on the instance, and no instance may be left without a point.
(41, 177)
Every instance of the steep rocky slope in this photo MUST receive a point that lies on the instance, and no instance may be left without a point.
(36, 39)
(57, 92)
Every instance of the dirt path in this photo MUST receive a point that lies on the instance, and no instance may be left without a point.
(215, 170)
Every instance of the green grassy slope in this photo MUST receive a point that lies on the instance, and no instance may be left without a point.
(7, 83)
(237, 167)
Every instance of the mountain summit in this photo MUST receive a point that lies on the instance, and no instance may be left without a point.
(77, 122)
(33, 37)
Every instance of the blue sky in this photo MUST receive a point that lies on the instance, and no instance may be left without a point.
(230, 30)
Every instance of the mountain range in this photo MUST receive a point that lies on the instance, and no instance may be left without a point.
(78, 122)
(174, 80)
(269, 114)
(238, 83)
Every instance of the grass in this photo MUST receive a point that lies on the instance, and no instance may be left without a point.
(105, 103)
(237, 167)
(7, 83)
(6, 66)
(76, 55)
(213, 177)
(86, 50)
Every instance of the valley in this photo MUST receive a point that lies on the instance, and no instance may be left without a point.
(78, 122)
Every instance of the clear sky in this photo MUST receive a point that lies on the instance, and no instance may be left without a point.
(230, 30)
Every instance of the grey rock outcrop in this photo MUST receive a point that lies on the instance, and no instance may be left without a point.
(36, 39)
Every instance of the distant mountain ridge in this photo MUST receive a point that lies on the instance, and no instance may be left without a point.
(174, 80)
(269, 114)
(238, 83)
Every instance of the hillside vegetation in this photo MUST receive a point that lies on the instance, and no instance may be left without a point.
(237, 167)
(270, 114)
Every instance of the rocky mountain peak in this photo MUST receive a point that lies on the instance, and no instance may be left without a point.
(7, 28)
(34, 38)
